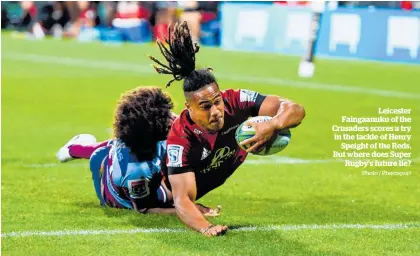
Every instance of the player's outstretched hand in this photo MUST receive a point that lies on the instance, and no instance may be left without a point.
(209, 212)
(264, 131)
(215, 230)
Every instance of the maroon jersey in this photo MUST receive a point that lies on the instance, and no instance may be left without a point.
(212, 157)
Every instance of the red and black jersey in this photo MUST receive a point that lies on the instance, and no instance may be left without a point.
(212, 157)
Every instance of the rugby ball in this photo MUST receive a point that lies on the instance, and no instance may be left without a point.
(275, 145)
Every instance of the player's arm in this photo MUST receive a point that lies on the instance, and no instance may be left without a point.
(183, 183)
(286, 113)
(184, 192)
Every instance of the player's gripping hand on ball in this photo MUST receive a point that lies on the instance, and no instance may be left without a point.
(214, 230)
(286, 114)
(264, 132)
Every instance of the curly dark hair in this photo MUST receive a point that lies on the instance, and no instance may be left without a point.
(142, 118)
(180, 55)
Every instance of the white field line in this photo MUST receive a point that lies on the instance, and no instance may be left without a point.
(292, 160)
(60, 233)
(286, 160)
(146, 69)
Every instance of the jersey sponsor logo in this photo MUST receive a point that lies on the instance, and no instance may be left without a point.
(175, 155)
(230, 129)
(196, 131)
(138, 188)
(205, 154)
(247, 96)
(221, 155)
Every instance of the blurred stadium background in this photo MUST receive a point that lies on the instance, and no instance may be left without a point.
(64, 65)
(381, 30)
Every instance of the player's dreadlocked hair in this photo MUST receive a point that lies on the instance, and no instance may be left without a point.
(180, 55)
(142, 118)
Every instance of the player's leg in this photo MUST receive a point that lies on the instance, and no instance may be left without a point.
(86, 151)
(80, 146)
(96, 165)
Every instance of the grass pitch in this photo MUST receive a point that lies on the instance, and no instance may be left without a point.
(52, 90)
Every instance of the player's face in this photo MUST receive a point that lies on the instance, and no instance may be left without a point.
(206, 107)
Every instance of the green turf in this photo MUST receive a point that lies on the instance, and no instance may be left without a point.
(47, 100)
